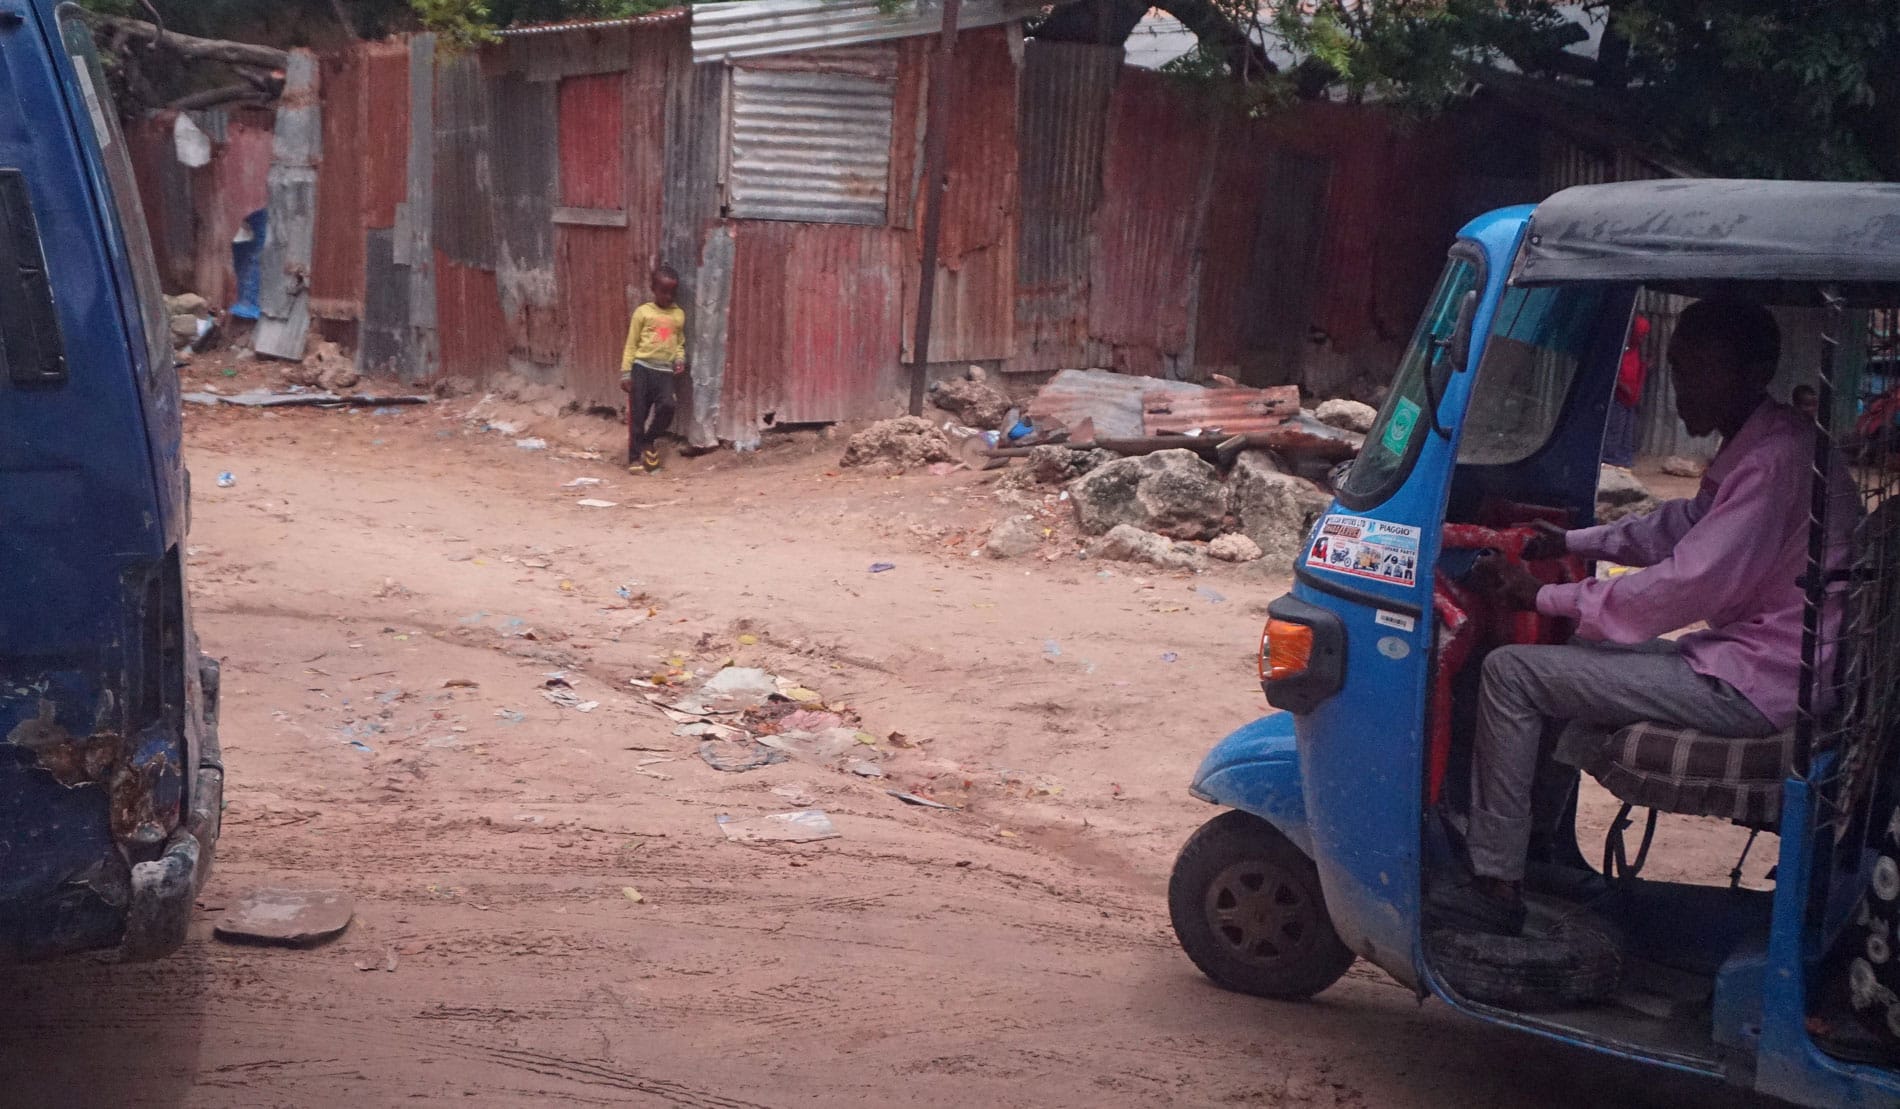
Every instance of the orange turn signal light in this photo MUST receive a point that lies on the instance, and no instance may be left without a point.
(1286, 650)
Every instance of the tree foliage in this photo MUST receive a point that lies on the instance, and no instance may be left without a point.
(1756, 88)
(1760, 88)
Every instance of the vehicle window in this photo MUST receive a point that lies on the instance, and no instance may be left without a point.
(1403, 422)
(1538, 340)
(125, 191)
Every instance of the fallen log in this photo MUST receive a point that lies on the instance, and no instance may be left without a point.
(190, 46)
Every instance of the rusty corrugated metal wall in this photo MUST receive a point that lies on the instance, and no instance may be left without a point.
(1156, 176)
(336, 270)
(1063, 128)
(974, 318)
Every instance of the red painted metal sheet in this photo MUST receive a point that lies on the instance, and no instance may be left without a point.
(1062, 130)
(166, 195)
(1222, 302)
(1154, 183)
(384, 131)
(593, 276)
(975, 313)
(593, 155)
(907, 129)
(816, 325)
(235, 184)
(1230, 411)
(473, 328)
(336, 264)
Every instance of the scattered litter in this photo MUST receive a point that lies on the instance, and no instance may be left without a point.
(881, 567)
(792, 691)
(1051, 648)
(582, 483)
(734, 688)
(1209, 595)
(914, 799)
(865, 769)
(631, 894)
(803, 826)
(226, 480)
(710, 729)
(738, 761)
(568, 699)
(748, 641)
(386, 963)
(590, 502)
(532, 444)
(363, 747)
(798, 793)
(1170, 657)
(806, 720)
(293, 918)
(827, 746)
(510, 716)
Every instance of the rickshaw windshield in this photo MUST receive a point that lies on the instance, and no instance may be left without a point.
(1538, 340)
(1393, 443)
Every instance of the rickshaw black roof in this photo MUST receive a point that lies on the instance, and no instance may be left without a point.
(1779, 241)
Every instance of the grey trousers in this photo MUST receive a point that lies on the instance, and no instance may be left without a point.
(1526, 689)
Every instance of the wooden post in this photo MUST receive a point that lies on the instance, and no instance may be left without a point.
(936, 181)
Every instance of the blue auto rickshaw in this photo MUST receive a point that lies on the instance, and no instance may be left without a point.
(1338, 806)
(110, 780)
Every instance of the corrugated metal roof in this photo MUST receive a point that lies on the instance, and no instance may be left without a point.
(812, 147)
(1063, 127)
(663, 18)
(744, 28)
(1114, 401)
(1233, 411)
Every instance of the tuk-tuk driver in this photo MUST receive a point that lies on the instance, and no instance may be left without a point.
(1731, 556)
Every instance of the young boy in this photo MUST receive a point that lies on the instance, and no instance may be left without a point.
(655, 355)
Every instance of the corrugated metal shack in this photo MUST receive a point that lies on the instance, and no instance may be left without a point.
(498, 212)
(196, 211)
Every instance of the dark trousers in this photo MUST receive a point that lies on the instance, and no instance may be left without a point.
(1619, 438)
(650, 411)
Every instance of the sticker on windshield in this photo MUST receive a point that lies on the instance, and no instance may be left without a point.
(1366, 548)
(1398, 431)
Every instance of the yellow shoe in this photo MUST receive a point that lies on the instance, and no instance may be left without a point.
(651, 461)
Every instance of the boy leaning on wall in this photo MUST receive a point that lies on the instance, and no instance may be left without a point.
(654, 359)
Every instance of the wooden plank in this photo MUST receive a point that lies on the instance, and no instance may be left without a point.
(590, 217)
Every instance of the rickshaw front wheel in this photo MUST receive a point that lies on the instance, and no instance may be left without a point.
(1247, 909)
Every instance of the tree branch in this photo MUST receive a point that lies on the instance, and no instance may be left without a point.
(209, 50)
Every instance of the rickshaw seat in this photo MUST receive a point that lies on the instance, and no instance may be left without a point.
(1682, 770)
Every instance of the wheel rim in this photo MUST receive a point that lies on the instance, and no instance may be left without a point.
(1261, 915)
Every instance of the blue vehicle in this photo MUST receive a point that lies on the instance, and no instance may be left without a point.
(110, 782)
(1342, 809)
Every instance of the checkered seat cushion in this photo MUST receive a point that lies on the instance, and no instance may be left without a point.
(1681, 770)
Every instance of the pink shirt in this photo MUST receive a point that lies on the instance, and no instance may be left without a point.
(1733, 557)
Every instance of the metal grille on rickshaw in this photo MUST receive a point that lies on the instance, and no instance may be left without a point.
(1851, 656)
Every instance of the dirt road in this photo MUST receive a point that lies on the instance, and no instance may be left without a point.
(1015, 952)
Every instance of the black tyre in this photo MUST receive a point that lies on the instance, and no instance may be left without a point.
(1567, 956)
(1247, 909)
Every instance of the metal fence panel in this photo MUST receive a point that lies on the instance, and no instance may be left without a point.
(724, 31)
(296, 149)
(810, 147)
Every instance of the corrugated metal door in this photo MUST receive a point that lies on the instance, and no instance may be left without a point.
(593, 251)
